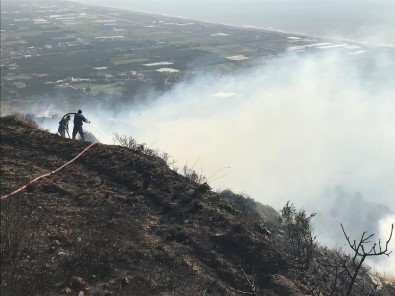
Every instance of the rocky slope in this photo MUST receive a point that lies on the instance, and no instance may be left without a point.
(119, 222)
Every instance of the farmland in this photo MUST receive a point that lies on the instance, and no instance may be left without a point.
(58, 49)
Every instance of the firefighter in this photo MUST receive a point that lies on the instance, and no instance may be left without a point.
(79, 120)
(64, 126)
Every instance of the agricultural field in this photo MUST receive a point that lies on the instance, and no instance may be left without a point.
(52, 48)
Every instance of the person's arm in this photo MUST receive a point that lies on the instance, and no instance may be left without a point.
(85, 120)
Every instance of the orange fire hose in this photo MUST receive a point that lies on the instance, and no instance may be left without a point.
(48, 174)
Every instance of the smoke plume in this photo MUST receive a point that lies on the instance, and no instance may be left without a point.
(294, 127)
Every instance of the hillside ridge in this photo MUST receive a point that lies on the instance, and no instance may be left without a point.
(114, 195)
(118, 221)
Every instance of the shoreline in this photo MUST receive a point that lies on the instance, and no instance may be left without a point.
(243, 27)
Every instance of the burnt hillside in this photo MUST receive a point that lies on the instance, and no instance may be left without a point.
(118, 222)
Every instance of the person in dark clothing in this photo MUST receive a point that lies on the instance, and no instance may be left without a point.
(79, 120)
(64, 126)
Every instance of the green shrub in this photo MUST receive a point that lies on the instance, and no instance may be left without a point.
(299, 234)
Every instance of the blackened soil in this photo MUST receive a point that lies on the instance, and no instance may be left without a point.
(118, 222)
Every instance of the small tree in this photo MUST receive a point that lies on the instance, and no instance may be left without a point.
(360, 254)
(299, 234)
(336, 273)
(328, 272)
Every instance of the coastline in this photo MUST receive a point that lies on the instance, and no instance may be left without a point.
(243, 27)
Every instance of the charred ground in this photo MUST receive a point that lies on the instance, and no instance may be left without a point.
(120, 222)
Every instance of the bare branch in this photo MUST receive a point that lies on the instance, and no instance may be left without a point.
(362, 254)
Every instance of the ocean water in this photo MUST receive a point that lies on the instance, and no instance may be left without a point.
(370, 21)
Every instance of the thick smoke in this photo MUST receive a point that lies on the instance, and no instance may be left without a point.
(308, 122)
(357, 215)
(316, 129)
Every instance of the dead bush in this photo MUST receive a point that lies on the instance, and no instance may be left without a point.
(21, 250)
(130, 143)
(334, 272)
(25, 119)
(19, 227)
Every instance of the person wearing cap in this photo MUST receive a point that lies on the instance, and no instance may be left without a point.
(64, 126)
(79, 120)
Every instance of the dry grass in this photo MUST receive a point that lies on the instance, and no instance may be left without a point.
(383, 275)
(388, 277)
(23, 118)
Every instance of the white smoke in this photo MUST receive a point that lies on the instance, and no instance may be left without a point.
(288, 128)
(386, 265)
(293, 127)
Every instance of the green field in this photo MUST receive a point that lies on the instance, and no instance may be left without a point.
(17, 77)
(123, 60)
(98, 87)
(77, 42)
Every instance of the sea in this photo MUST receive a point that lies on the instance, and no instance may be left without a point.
(371, 21)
